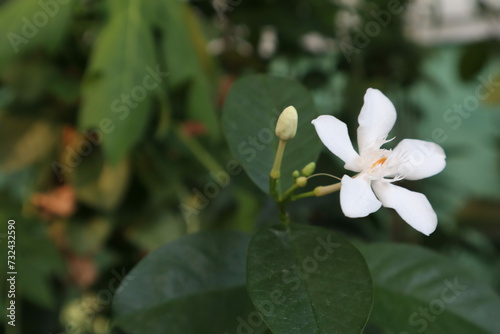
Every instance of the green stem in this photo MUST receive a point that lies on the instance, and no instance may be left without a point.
(274, 177)
(283, 214)
(276, 171)
(303, 195)
(288, 193)
(199, 152)
(273, 188)
(283, 201)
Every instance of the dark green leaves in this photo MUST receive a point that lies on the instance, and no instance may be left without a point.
(28, 25)
(189, 63)
(249, 119)
(195, 284)
(128, 71)
(122, 78)
(306, 279)
(417, 290)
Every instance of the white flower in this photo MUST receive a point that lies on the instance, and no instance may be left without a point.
(411, 159)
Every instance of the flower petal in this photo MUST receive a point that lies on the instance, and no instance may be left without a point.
(333, 133)
(357, 198)
(421, 158)
(413, 207)
(376, 119)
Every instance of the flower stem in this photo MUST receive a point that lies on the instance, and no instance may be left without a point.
(325, 190)
(273, 188)
(276, 171)
(288, 193)
(283, 214)
(319, 191)
(303, 195)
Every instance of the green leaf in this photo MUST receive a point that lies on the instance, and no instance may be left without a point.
(28, 25)
(120, 83)
(188, 62)
(249, 118)
(454, 129)
(195, 284)
(201, 105)
(180, 52)
(306, 279)
(417, 290)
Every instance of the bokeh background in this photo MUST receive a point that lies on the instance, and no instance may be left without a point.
(99, 165)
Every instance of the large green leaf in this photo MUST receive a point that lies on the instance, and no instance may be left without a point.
(467, 134)
(188, 62)
(28, 25)
(195, 284)
(249, 119)
(417, 290)
(306, 279)
(120, 82)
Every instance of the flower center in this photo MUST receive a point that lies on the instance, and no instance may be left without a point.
(380, 161)
(383, 164)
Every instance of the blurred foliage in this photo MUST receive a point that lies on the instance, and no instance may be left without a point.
(111, 132)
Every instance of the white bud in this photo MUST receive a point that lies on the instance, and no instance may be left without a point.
(286, 128)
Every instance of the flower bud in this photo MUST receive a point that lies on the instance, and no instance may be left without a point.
(309, 169)
(301, 181)
(325, 190)
(295, 174)
(287, 124)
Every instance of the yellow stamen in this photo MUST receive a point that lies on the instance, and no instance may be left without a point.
(380, 161)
